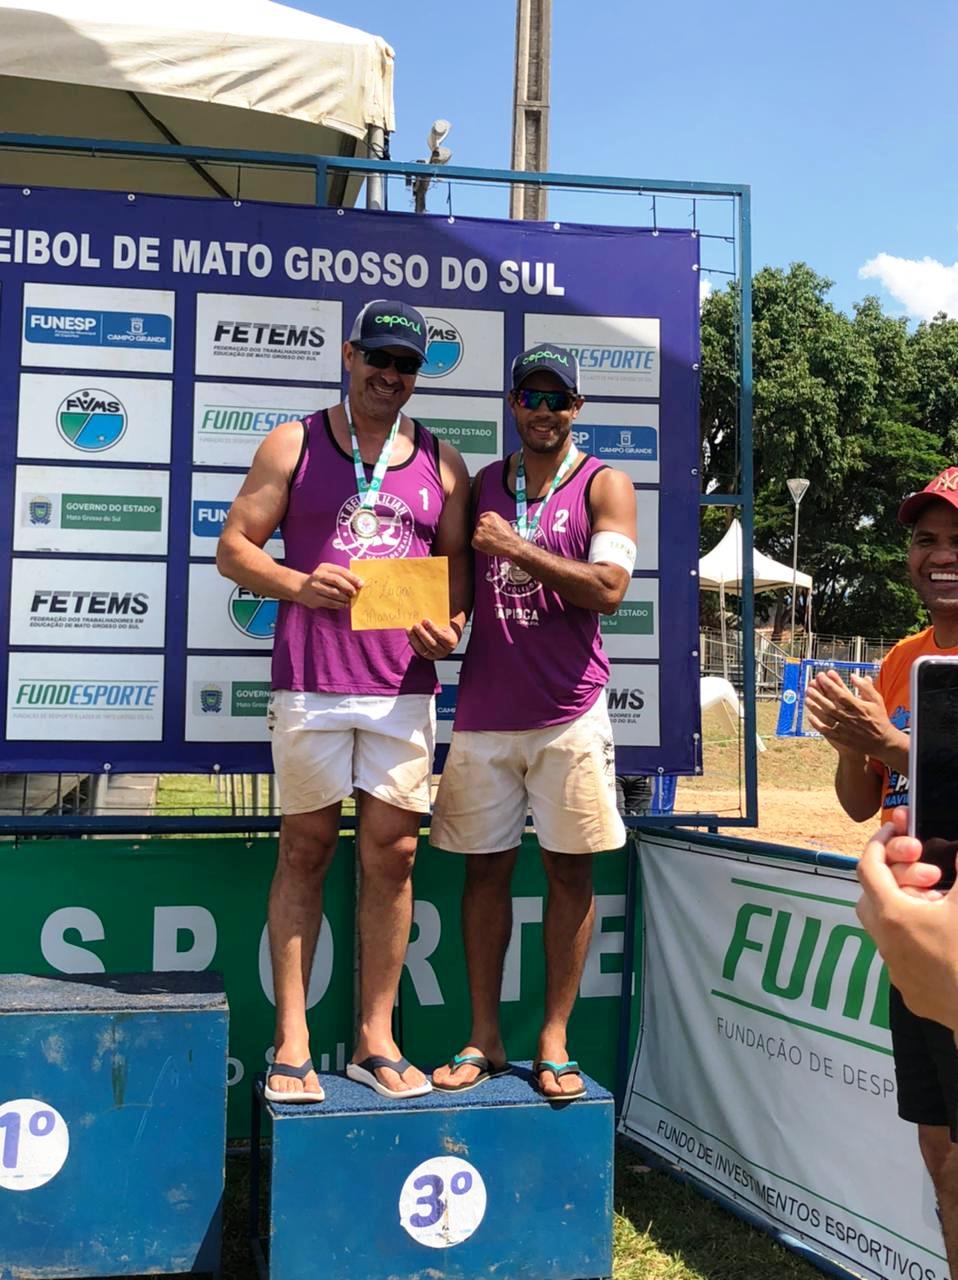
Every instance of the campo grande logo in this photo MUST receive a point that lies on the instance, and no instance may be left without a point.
(252, 614)
(444, 350)
(91, 420)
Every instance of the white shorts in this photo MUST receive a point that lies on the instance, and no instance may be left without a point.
(327, 745)
(565, 774)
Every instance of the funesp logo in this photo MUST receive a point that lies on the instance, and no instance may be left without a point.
(445, 348)
(91, 420)
(209, 516)
(59, 322)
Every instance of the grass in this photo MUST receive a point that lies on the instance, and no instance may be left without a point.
(663, 1230)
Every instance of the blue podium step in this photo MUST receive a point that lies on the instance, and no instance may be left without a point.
(112, 1124)
(493, 1182)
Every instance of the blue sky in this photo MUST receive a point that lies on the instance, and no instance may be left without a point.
(841, 115)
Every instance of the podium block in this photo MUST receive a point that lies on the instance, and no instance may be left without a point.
(112, 1124)
(494, 1182)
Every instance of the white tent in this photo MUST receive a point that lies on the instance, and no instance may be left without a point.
(246, 74)
(721, 570)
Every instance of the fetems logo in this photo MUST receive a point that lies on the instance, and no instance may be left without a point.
(267, 336)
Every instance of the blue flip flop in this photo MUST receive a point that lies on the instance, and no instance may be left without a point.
(487, 1071)
(558, 1069)
(365, 1073)
(292, 1095)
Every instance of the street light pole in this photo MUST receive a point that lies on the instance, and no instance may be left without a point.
(797, 488)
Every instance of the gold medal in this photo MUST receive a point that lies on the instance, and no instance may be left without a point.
(364, 523)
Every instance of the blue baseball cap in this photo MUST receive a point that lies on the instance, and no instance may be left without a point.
(552, 359)
(387, 323)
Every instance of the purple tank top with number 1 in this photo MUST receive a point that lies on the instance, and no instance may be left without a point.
(533, 659)
(315, 650)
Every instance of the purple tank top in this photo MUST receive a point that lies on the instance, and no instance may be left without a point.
(533, 659)
(315, 650)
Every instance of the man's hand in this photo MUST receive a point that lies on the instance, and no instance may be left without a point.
(848, 723)
(433, 642)
(329, 586)
(914, 925)
(494, 536)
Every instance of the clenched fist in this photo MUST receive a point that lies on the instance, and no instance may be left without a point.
(495, 537)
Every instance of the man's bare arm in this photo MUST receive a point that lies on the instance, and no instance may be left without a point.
(256, 511)
(600, 586)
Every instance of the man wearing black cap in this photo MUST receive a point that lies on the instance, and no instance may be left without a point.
(351, 711)
(869, 733)
(554, 537)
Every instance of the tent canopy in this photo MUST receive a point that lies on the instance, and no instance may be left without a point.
(721, 568)
(247, 74)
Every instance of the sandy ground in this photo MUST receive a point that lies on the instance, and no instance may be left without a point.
(806, 819)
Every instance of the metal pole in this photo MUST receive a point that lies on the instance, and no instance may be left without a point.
(530, 115)
(375, 146)
(791, 646)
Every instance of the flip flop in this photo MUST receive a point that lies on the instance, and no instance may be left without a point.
(487, 1071)
(558, 1069)
(365, 1073)
(294, 1095)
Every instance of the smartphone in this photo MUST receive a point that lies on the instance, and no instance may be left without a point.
(933, 762)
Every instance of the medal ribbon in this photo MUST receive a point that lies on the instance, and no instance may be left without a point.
(369, 489)
(525, 527)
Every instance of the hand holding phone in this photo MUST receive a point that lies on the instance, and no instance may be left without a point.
(933, 762)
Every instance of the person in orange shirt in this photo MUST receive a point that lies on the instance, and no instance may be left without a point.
(868, 729)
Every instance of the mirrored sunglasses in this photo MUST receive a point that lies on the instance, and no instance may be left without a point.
(406, 365)
(555, 401)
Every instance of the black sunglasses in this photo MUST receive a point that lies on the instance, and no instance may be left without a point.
(555, 401)
(405, 365)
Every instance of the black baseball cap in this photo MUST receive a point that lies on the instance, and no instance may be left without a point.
(557, 360)
(387, 323)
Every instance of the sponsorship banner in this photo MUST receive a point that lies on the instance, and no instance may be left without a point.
(85, 327)
(471, 424)
(162, 905)
(90, 509)
(141, 368)
(227, 708)
(231, 420)
(764, 1064)
(211, 496)
(76, 418)
(95, 697)
(90, 603)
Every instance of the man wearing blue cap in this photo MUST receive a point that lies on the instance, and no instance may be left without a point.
(554, 538)
(351, 711)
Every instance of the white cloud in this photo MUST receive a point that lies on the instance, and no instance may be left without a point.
(705, 288)
(923, 286)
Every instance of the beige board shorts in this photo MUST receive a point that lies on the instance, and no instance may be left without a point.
(328, 745)
(565, 774)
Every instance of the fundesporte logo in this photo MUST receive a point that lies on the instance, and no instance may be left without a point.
(445, 348)
(91, 420)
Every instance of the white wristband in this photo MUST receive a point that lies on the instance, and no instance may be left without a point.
(613, 548)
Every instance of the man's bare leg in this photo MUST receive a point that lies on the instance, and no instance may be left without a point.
(387, 850)
(941, 1160)
(486, 930)
(569, 916)
(307, 842)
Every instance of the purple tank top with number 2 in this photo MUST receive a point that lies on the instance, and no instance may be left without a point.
(533, 659)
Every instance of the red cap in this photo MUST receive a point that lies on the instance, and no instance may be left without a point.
(944, 487)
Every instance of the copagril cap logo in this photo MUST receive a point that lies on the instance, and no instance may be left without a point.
(401, 320)
(535, 356)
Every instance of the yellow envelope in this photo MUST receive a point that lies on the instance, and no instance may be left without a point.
(400, 593)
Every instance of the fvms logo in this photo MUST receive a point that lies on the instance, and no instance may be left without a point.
(445, 348)
(254, 615)
(91, 420)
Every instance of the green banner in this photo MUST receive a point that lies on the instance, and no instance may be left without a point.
(468, 435)
(96, 511)
(90, 906)
(633, 618)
